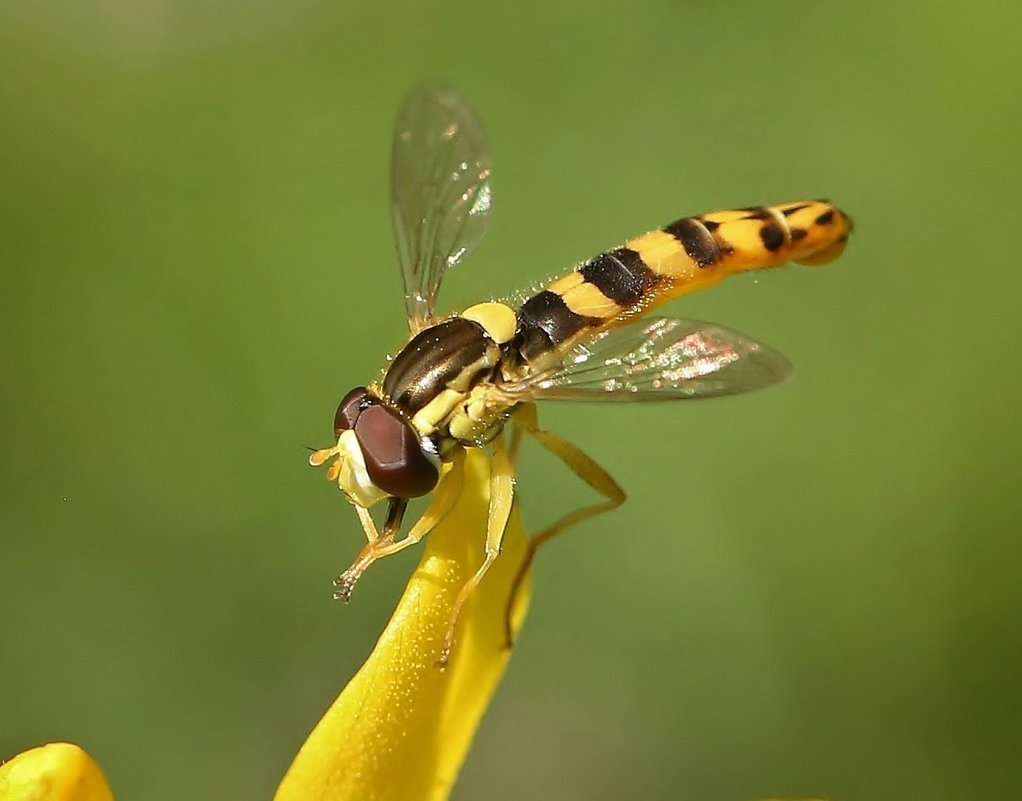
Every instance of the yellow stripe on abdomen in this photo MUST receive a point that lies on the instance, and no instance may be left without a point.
(686, 255)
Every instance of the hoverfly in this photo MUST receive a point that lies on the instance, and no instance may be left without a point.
(461, 379)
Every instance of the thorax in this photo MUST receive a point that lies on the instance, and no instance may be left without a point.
(442, 380)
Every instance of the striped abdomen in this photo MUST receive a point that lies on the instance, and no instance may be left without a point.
(686, 255)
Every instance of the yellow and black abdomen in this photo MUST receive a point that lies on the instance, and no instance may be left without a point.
(685, 255)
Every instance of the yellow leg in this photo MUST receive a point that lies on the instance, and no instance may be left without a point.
(345, 582)
(368, 526)
(502, 492)
(444, 497)
(515, 446)
(582, 466)
(383, 544)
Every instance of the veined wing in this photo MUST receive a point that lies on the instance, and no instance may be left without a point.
(440, 191)
(655, 360)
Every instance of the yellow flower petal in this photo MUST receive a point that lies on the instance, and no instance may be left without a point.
(401, 728)
(53, 772)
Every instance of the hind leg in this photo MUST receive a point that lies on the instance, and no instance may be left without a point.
(582, 466)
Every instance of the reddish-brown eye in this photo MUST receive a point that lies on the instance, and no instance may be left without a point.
(394, 460)
(349, 409)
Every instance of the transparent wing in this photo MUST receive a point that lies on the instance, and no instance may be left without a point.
(440, 191)
(657, 359)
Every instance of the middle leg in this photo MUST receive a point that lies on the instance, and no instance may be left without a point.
(583, 466)
(502, 491)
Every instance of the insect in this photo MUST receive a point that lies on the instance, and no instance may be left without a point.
(472, 379)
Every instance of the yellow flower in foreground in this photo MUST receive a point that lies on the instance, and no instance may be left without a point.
(53, 772)
(401, 728)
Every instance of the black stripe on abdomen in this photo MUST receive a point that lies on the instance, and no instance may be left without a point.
(620, 275)
(697, 240)
(545, 321)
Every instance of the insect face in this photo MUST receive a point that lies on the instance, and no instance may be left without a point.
(394, 459)
(378, 453)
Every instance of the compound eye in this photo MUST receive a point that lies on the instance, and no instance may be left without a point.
(394, 460)
(350, 408)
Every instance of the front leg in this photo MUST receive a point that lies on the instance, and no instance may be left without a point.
(582, 466)
(384, 544)
(345, 583)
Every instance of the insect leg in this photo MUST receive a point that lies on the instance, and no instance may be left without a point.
(345, 582)
(515, 446)
(582, 466)
(444, 496)
(368, 526)
(502, 491)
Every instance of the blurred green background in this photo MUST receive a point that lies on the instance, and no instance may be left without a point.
(812, 591)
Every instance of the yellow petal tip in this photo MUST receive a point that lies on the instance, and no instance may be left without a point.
(53, 772)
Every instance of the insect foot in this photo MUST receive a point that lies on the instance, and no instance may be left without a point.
(345, 584)
(444, 660)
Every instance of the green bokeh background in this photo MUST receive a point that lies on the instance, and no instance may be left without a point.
(812, 591)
